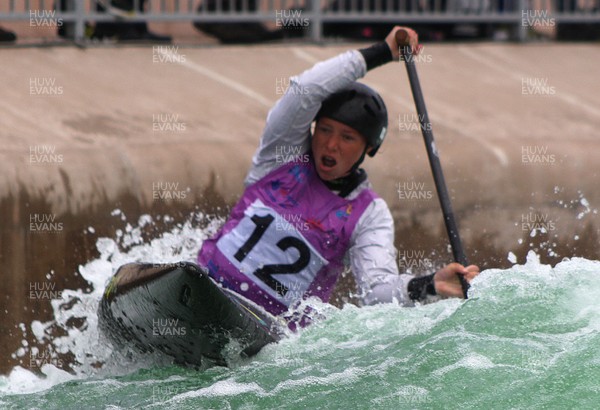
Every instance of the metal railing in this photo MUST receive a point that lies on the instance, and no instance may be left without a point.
(308, 14)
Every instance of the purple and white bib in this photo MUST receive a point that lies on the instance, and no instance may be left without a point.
(285, 239)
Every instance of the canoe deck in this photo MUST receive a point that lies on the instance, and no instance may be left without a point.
(179, 310)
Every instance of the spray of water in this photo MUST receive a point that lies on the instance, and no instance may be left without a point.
(356, 336)
(73, 337)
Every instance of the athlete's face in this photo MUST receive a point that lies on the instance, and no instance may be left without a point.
(336, 147)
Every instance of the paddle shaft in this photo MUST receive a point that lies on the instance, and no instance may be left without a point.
(434, 160)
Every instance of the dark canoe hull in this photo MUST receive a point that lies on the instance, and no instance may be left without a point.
(179, 310)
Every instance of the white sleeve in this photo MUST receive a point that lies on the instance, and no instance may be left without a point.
(289, 121)
(373, 257)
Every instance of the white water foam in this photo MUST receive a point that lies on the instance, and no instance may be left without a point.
(182, 243)
(93, 355)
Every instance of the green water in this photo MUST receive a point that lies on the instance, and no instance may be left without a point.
(526, 339)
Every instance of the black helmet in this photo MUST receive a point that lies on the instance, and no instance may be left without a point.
(360, 107)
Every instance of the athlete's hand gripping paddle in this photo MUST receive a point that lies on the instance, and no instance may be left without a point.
(434, 161)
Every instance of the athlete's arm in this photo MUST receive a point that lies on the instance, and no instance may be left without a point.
(373, 262)
(373, 258)
(287, 128)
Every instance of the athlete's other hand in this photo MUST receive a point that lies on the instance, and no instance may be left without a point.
(446, 280)
(402, 36)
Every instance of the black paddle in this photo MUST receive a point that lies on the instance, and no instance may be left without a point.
(434, 159)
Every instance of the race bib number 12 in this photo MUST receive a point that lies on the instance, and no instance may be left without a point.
(272, 253)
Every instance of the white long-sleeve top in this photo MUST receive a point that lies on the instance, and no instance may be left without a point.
(372, 255)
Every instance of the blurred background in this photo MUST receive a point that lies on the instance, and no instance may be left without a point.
(116, 109)
(251, 21)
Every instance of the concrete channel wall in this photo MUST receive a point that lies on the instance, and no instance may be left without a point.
(85, 131)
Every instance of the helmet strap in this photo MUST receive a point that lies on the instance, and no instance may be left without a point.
(360, 161)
